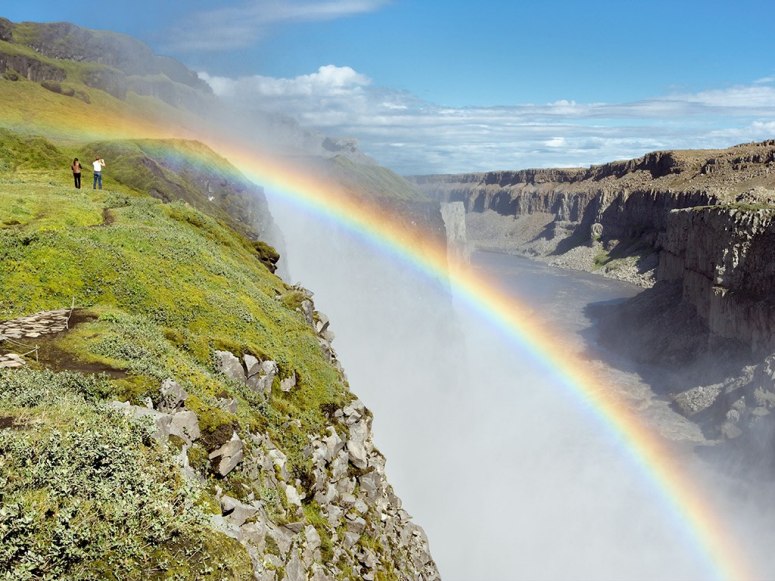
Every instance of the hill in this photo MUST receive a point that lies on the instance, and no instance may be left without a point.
(165, 295)
(168, 406)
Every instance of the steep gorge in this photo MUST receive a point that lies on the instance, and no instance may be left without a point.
(695, 225)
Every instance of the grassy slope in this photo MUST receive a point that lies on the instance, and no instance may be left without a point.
(167, 285)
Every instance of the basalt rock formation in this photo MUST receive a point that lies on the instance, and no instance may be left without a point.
(699, 226)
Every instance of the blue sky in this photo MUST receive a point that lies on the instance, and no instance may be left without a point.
(464, 86)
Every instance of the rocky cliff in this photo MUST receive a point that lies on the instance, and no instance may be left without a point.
(189, 417)
(698, 226)
(627, 199)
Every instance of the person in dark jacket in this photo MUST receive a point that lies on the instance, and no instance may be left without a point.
(76, 167)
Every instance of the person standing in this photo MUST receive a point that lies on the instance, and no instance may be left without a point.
(98, 164)
(76, 167)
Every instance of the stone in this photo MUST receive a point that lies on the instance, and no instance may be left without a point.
(185, 425)
(228, 364)
(263, 379)
(318, 573)
(227, 405)
(11, 364)
(173, 397)
(308, 310)
(361, 506)
(294, 569)
(230, 455)
(220, 524)
(160, 421)
(328, 497)
(357, 454)
(350, 538)
(282, 537)
(333, 442)
(339, 465)
(236, 512)
(252, 365)
(288, 383)
(292, 495)
(370, 485)
(312, 537)
(295, 527)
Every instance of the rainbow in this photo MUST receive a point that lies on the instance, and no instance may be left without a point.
(646, 449)
(679, 493)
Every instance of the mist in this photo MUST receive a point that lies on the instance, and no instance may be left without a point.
(508, 473)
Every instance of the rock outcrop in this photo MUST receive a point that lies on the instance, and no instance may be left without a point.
(724, 258)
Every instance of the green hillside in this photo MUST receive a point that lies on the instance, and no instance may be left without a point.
(258, 460)
(158, 287)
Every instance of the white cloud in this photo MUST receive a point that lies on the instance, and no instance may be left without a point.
(328, 81)
(415, 136)
(234, 27)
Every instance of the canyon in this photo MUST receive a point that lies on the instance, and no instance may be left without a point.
(694, 228)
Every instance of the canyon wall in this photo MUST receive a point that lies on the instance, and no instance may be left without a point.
(724, 258)
(698, 226)
(705, 214)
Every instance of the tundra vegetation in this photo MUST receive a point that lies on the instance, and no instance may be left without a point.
(158, 288)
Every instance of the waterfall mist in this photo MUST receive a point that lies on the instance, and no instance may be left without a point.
(509, 474)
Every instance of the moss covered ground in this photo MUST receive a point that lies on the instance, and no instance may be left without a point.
(158, 287)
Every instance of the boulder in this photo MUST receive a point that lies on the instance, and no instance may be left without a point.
(357, 454)
(185, 425)
(288, 383)
(312, 537)
(228, 455)
(261, 381)
(228, 364)
(160, 421)
(252, 365)
(294, 569)
(236, 512)
(292, 495)
(173, 397)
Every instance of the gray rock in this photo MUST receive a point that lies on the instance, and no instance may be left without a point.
(228, 364)
(227, 405)
(308, 310)
(357, 525)
(282, 537)
(292, 495)
(294, 569)
(357, 454)
(252, 365)
(185, 425)
(294, 527)
(339, 465)
(160, 421)
(173, 397)
(262, 380)
(350, 538)
(288, 383)
(236, 512)
(333, 442)
(230, 454)
(312, 537)
(318, 573)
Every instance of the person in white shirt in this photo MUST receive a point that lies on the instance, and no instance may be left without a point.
(98, 164)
